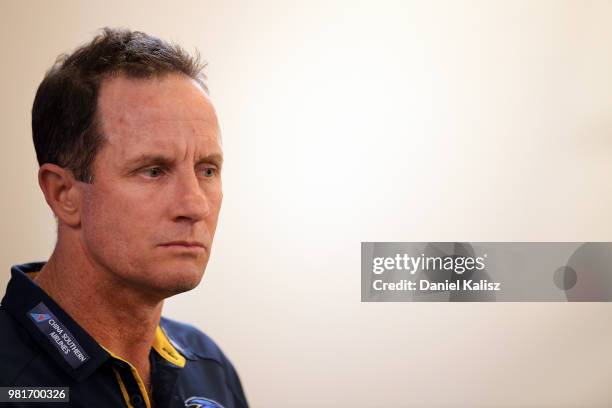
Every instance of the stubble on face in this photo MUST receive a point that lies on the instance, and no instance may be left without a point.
(149, 217)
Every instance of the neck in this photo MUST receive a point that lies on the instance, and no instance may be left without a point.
(116, 315)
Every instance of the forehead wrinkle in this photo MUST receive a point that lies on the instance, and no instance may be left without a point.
(178, 123)
(173, 149)
(127, 110)
(132, 130)
(132, 120)
(132, 106)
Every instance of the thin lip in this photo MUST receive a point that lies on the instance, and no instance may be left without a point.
(188, 244)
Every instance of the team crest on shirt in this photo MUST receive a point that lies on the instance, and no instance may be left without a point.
(201, 402)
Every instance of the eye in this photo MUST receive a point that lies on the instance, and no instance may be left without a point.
(153, 172)
(209, 172)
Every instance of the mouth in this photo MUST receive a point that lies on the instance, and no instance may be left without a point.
(185, 245)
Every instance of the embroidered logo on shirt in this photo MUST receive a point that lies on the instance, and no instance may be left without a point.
(40, 317)
(200, 402)
(58, 335)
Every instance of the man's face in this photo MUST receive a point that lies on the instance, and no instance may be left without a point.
(150, 215)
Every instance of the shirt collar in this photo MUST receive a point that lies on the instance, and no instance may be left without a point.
(58, 334)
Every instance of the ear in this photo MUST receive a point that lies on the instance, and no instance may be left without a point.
(62, 193)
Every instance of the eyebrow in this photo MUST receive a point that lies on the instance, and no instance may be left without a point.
(215, 158)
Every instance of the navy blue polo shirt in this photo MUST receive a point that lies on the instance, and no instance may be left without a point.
(41, 345)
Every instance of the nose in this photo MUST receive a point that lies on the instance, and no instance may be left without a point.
(190, 200)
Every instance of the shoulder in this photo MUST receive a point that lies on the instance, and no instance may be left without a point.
(192, 342)
(208, 359)
(16, 349)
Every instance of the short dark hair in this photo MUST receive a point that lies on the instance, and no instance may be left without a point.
(64, 121)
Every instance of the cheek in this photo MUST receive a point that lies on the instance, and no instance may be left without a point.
(215, 195)
(216, 198)
(102, 227)
(110, 225)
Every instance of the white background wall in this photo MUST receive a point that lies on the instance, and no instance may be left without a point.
(349, 121)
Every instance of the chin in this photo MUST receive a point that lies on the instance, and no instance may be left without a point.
(173, 278)
(185, 283)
